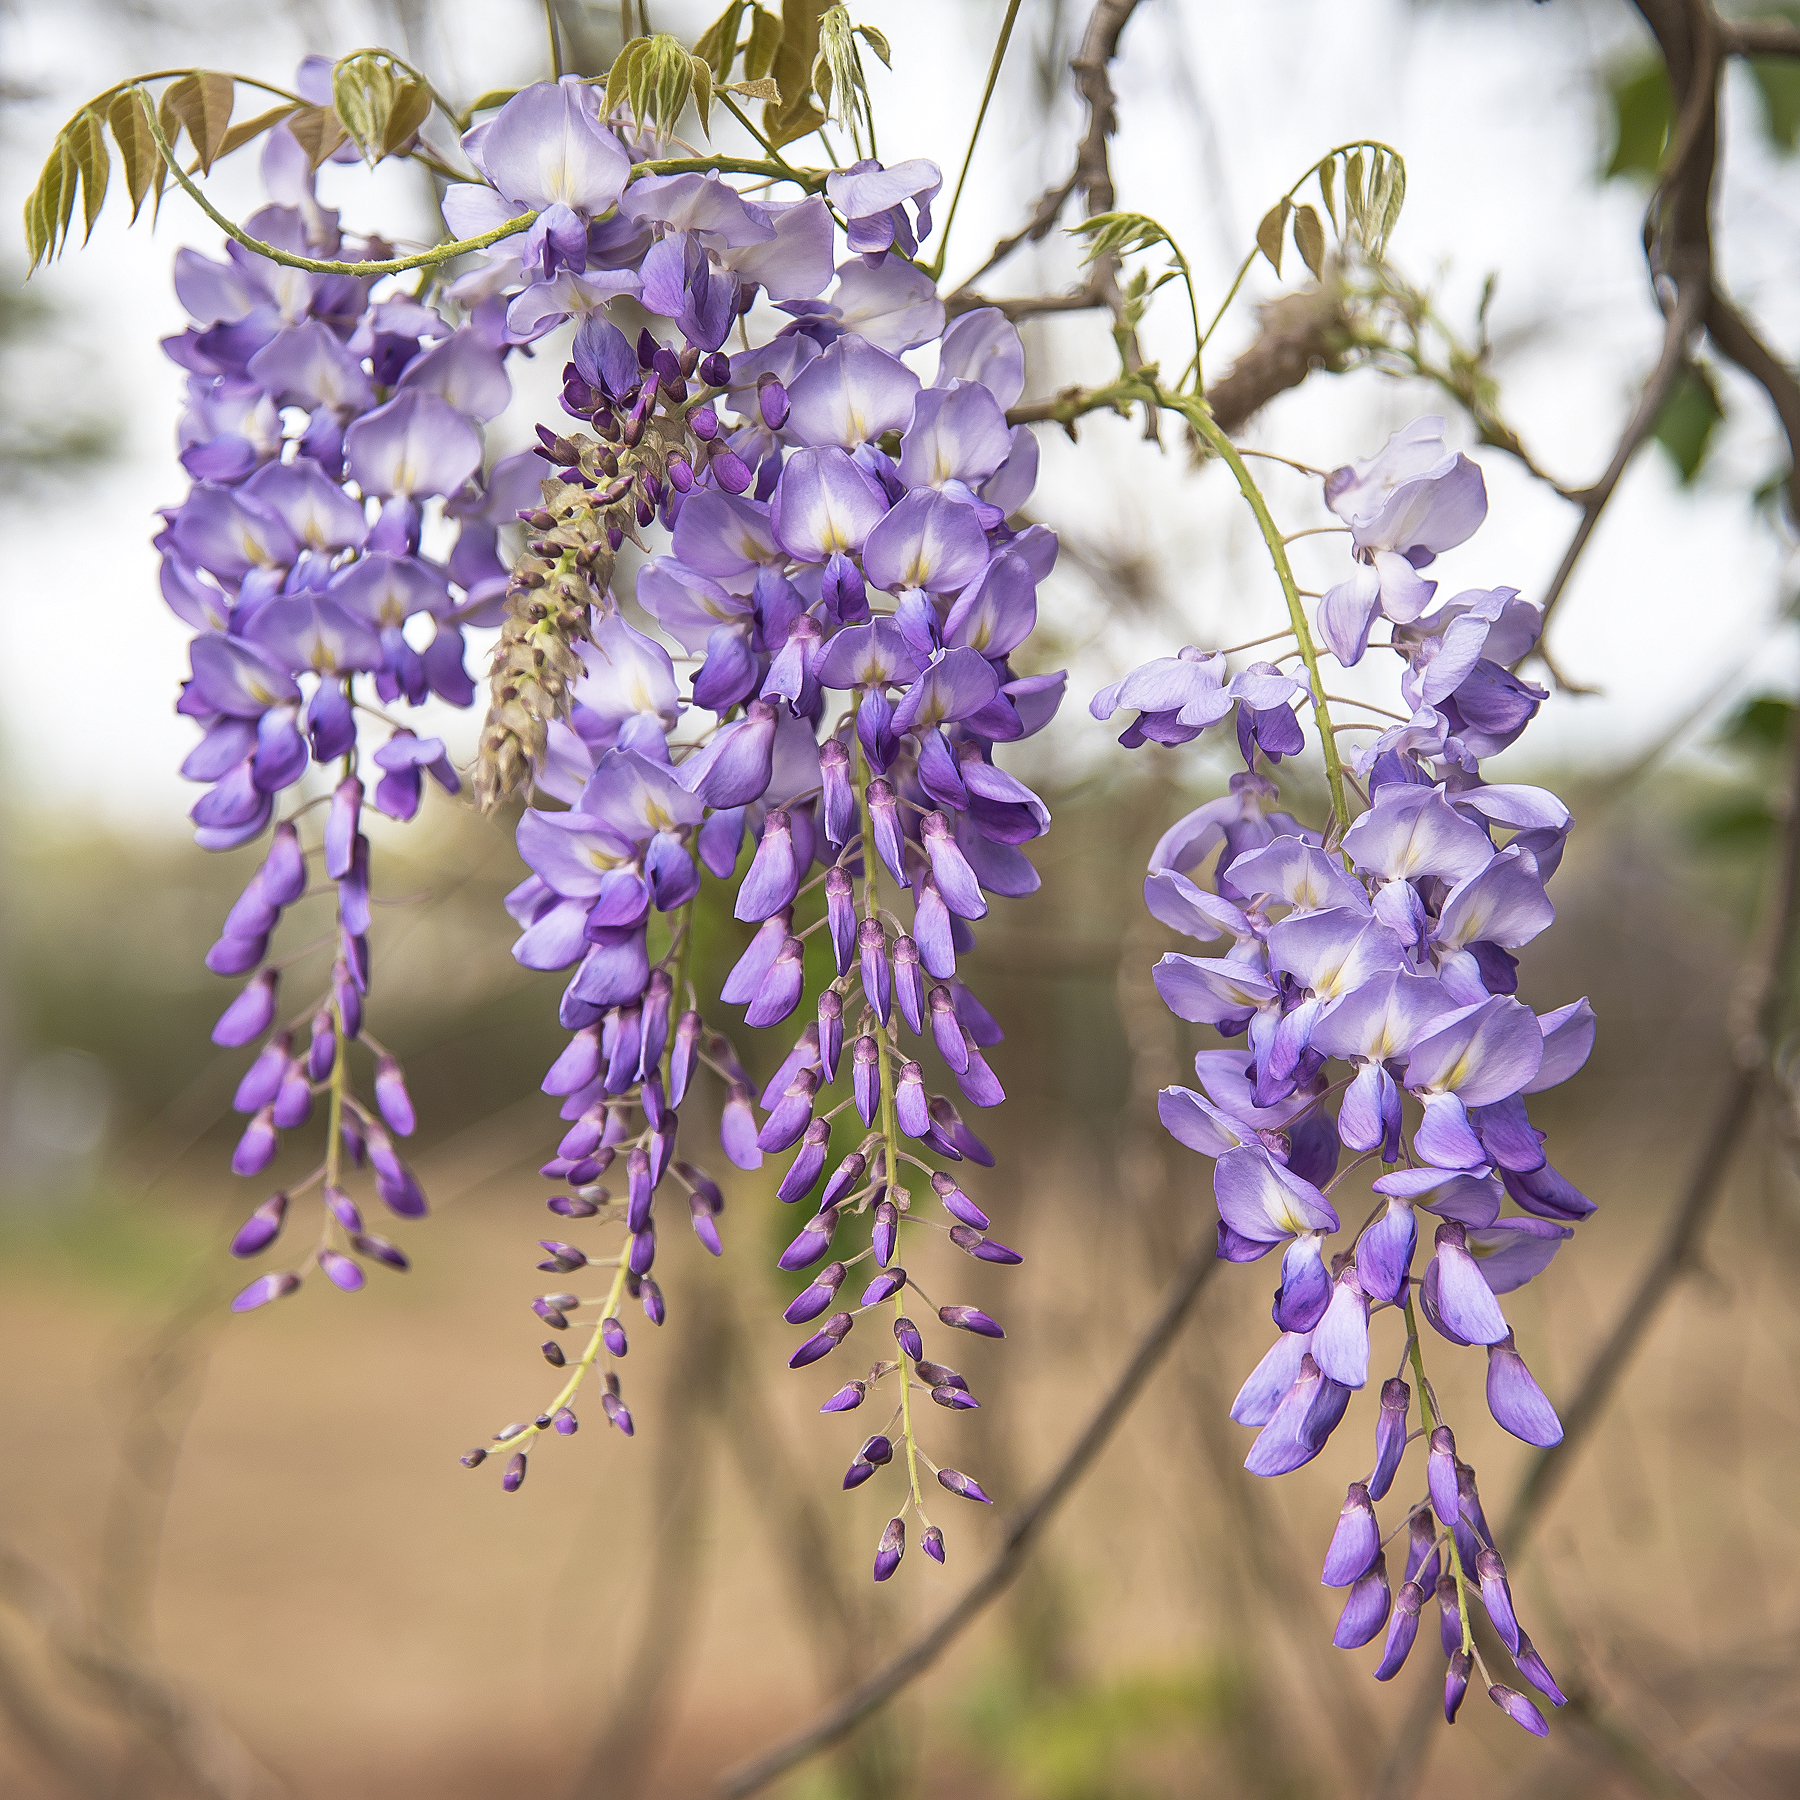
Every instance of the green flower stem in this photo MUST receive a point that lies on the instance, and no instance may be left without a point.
(936, 268)
(1428, 1406)
(890, 1134)
(1199, 415)
(810, 179)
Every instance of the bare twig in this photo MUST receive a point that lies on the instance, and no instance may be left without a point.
(871, 1695)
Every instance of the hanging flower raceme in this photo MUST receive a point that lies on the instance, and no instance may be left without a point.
(1373, 965)
(324, 422)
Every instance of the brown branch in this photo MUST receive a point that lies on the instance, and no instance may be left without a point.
(871, 1695)
(1759, 37)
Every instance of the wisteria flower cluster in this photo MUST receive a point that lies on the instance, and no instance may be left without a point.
(322, 424)
(840, 574)
(1380, 947)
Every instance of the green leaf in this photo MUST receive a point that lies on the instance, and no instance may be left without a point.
(319, 130)
(87, 143)
(1643, 115)
(877, 41)
(1396, 198)
(1309, 239)
(1353, 190)
(795, 115)
(702, 82)
(494, 97)
(363, 91)
(1777, 80)
(42, 207)
(1328, 189)
(240, 135)
(412, 107)
(763, 42)
(138, 154)
(1687, 421)
(717, 45)
(1269, 232)
(202, 102)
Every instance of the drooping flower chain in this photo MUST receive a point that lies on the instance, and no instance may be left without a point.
(1382, 944)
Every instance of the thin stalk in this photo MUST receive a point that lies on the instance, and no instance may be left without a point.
(1428, 1405)
(987, 94)
(1199, 415)
(556, 55)
(890, 1134)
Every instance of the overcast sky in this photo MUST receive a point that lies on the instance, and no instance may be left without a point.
(1495, 107)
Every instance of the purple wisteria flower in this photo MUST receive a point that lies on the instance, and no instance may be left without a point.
(1373, 966)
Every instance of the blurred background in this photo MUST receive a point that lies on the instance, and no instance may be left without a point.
(237, 1556)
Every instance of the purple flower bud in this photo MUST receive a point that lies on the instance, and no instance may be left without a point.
(250, 1014)
(642, 1251)
(937, 1375)
(715, 369)
(264, 1289)
(779, 991)
(1365, 1607)
(623, 1043)
(553, 1316)
(638, 1190)
(293, 1101)
(256, 1148)
(514, 1478)
(282, 877)
(566, 1254)
(771, 402)
(953, 1138)
(950, 868)
(932, 1543)
(1516, 1400)
(321, 1053)
(262, 1227)
(1440, 1473)
(392, 1098)
(1450, 1619)
(773, 878)
(884, 816)
(877, 1451)
(612, 1335)
(703, 421)
(979, 1084)
(906, 1335)
(1531, 1666)
(353, 890)
(850, 1396)
(946, 1032)
(252, 914)
(262, 1080)
(650, 1297)
(793, 1113)
(340, 1271)
(1355, 1542)
(970, 1318)
(877, 980)
(983, 1249)
(617, 1413)
(737, 1128)
(729, 470)
(577, 1066)
(1403, 1628)
(959, 1483)
(683, 1056)
(811, 1301)
(1519, 1709)
(565, 1422)
(822, 1342)
(911, 1108)
(840, 917)
(831, 1033)
(885, 1234)
(378, 1249)
(865, 1078)
(804, 1171)
(844, 1179)
(1496, 1596)
(893, 1546)
(933, 932)
(838, 796)
(237, 955)
(884, 1287)
(958, 1204)
(957, 1399)
(472, 1459)
(857, 1473)
(1456, 1684)
(1390, 1435)
(909, 986)
(657, 998)
(347, 997)
(705, 1227)
(812, 1243)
